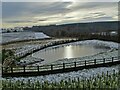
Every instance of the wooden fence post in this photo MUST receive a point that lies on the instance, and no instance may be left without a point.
(95, 61)
(38, 68)
(85, 62)
(103, 60)
(51, 67)
(112, 59)
(63, 65)
(75, 64)
(24, 68)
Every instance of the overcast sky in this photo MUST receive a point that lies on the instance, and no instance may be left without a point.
(46, 13)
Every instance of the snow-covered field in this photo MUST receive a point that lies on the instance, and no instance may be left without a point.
(86, 73)
(16, 36)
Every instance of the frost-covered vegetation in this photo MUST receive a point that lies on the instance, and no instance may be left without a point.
(8, 58)
(99, 81)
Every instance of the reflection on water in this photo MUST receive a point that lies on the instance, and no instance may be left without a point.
(70, 51)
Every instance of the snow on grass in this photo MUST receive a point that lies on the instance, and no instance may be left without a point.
(16, 36)
(26, 48)
(82, 74)
(85, 73)
(99, 43)
(40, 35)
(29, 60)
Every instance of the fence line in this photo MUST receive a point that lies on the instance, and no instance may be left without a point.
(63, 66)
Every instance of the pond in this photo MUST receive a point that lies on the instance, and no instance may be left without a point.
(72, 51)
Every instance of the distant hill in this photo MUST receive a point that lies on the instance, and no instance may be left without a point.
(76, 28)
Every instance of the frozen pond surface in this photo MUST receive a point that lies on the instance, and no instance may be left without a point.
(71, 51)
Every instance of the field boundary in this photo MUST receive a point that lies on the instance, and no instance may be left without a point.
(25, 71)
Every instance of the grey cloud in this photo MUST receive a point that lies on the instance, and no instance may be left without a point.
(94, 5)
(98, 13)
(106, 18)
(54, 8)
(15, 12)
(19, 21)
(42, 20)
(12, 9)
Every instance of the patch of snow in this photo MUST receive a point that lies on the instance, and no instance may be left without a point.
(40, 35)
(91, 42)
(14, 36)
